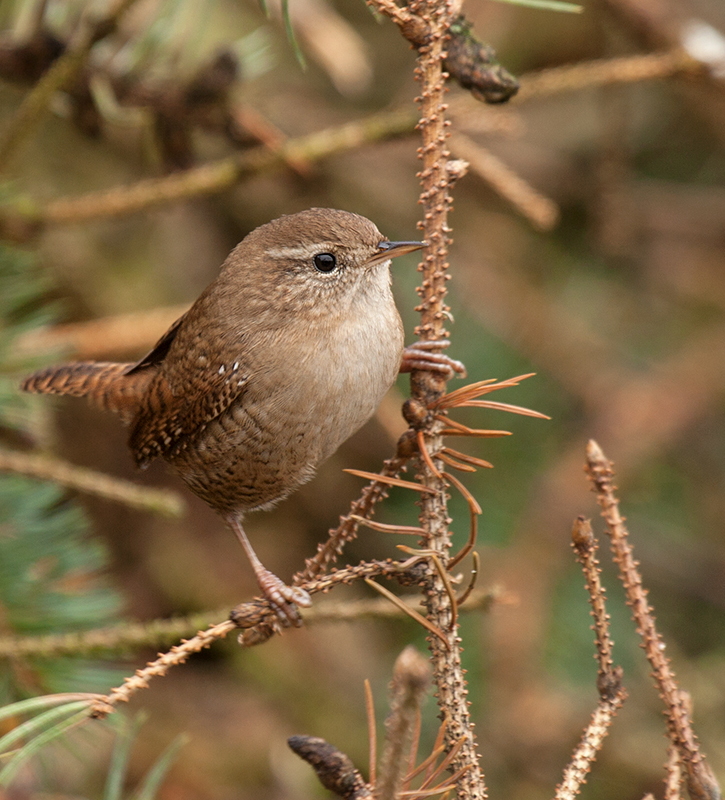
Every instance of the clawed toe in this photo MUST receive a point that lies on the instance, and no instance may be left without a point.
(418, 356)
(284, 599)
(298, 596)
(287, 614)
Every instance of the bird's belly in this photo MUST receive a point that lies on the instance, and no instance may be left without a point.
(240, 461)
(270, 441)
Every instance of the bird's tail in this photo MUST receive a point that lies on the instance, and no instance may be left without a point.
(105, 384)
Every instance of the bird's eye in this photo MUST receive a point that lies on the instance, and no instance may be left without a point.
(325, 262)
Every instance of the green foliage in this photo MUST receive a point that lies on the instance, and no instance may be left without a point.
(299, 55)
(151, 782)
(50, 568)
(22, 289)
(38, 731)
(50, 574)
(121, 755)
(53, 716)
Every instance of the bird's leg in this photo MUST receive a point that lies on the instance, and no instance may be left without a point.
(284, 599)
(418, 356)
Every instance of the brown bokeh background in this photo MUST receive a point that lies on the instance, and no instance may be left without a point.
(619, 309)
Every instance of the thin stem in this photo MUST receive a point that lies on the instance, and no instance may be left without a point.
(605, 72)
(42, 467)
(611, 692)
(160, 666)
(411, 677)
(542, 212)
(208, 178)
(701, 782)
(346, 531)
(426, 390)
(255, 620)
(587, 749)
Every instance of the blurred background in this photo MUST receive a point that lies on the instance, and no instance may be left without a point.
(589, 247)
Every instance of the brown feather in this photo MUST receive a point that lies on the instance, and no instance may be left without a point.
(103, 383)
(271, 368)
(176, 408)
(160, 349)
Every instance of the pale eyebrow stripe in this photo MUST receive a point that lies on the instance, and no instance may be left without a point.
(300, 251)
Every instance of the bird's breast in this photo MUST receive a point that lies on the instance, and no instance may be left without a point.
(307, 393)
(341, 374)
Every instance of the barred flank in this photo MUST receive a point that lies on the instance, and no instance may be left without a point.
(104, 383)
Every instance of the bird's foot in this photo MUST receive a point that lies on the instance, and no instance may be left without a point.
(283, 599)
(419, 356)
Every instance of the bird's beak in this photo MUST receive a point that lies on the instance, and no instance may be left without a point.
(388, 250)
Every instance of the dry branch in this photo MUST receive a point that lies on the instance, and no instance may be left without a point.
(587, 749)
(608, 71)
(427, 388)
(701, 783)
(411, 677)
(346, 531)
(611, 692)
(163, 632)
(89, 481)
(585, 545)
(257, 619)
(673, 782)
(206, 179)
(542, 212)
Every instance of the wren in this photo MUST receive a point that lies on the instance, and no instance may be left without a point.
(283, 357)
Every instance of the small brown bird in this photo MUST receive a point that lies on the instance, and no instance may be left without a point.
(283, 357)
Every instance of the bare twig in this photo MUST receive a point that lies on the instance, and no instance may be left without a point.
(585, 546)
(673, 781)
(89, 481)
(587, 749)
(411, 676)
(346, 531)
(113, 639)
(540, 211)
(427, 388)
(161, 633)
(206, 179)
(257, 620)
(178, 654)
(701, 783)
(611, 692)
(607, 71)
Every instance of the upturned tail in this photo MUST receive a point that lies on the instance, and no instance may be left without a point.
(105, 384)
